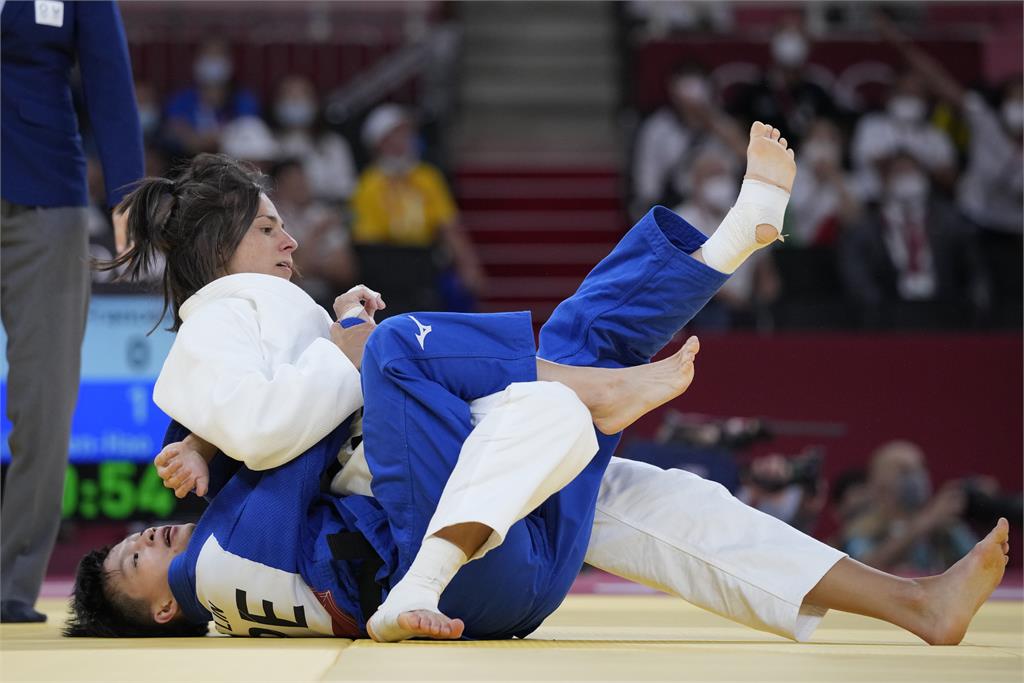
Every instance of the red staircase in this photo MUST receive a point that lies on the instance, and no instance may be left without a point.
(539, 231)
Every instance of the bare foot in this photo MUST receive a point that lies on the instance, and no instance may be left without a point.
(769, 160)
(633, 392)
(418, 623)
(953, 598)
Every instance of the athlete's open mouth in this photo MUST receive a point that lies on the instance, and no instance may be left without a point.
(167, 536)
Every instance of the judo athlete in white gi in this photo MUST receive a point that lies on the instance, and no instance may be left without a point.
(666, 529)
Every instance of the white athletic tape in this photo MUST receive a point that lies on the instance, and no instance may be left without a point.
(736, 238)
(353, 312)
(762, 203)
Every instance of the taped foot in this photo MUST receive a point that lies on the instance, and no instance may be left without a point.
(420, 623)
(755, 221)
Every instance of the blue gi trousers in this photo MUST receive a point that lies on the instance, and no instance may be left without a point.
(420, 371)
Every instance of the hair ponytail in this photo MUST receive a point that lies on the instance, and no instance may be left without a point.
(195, 222)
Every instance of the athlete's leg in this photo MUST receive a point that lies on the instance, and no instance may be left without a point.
(429, 462)
(689, 537)
(664, 270)
(618, 397)
(938, 609)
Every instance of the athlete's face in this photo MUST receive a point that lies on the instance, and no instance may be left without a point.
(266, 247)
(138, 567)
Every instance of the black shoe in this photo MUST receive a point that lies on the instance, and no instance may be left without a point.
(18, 612)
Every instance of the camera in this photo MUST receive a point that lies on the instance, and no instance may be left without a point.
(804, 470)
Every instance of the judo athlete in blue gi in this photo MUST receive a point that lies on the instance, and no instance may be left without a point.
(485, 490)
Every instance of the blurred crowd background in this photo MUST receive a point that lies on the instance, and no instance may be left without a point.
(484, 156)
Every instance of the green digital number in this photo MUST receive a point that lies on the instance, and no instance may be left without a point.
(153, 496)
(70, 500)
(117, 489)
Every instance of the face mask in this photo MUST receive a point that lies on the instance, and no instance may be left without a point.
(783, 505)
(821, 151)
(789, 48)
(1013, 115)
(149, 119)
(719, 192)
(914, 490)
(212, 70)
(295, 113)
(908, 187)
(396, 165)
(692, 89)
(906, 108)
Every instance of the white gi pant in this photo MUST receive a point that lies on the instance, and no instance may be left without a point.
(667, 529)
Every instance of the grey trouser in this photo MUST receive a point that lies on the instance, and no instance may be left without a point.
(44, 300)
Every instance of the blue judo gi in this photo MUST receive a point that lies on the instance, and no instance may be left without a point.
(420, 372)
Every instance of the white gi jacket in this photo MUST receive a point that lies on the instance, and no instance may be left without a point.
(253, 370)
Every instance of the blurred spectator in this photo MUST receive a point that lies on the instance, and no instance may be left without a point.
(913, 247)
(851, 498)
(768, 486)
(991, 189)
(788, 95)
(148, 103)
(823, 197)
(151, 119)
(301, 134)
(249, 139)
(756, 282)
(658, 19)
(906, 527)
(672, 137)
(195, 116)
(903, 126)
(401, 201)
(324, 261)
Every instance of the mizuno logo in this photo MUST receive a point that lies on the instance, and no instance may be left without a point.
(424, 331)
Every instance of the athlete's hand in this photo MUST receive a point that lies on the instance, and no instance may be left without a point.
(121, 242)
(183, 469)
(360, 295)
(352, 340)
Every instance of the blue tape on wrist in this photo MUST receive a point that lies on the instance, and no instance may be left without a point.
(350, 322)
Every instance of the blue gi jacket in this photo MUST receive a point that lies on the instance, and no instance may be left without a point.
(41, 149)
(258, 563)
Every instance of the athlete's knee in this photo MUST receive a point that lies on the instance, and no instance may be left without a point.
(558, 406)
(386, 337)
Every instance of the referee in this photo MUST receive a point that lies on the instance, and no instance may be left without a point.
(44, 264)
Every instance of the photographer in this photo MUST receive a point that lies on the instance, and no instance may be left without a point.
(789, 489)
(906, 527)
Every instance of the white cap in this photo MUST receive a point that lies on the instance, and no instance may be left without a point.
(382, 121)
(248, 139)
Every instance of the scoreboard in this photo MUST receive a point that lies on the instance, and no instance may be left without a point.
(117, 429)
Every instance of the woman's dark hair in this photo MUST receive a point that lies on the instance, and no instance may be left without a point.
(99, 611)
(195, 220)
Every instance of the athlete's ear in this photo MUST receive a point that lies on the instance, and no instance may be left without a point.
(165, 612)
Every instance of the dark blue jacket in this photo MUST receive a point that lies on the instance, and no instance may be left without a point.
(41, 148)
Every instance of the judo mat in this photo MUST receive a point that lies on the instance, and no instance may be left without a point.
(590, 638)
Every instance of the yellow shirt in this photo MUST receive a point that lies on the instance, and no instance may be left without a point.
(405, 210)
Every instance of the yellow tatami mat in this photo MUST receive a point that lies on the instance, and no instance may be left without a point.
(591, 638)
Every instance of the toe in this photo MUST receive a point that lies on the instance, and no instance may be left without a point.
(790, 153)
(758, 129)
(776, 134)
(782, 141)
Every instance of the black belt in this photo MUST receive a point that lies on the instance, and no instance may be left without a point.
(352, 545)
